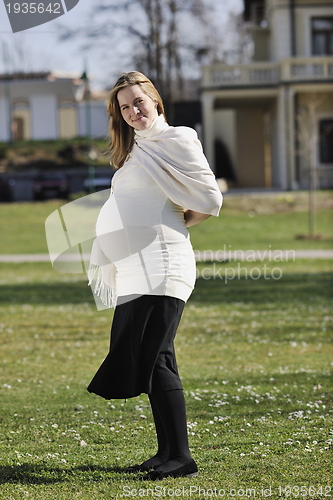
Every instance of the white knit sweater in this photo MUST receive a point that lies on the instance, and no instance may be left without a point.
(142, 244)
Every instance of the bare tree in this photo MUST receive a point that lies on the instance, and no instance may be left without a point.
(233, 44)
(168, 40)
(155, 29)
(16, 56)
(307, 138)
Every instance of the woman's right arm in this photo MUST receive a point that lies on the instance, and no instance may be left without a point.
(191, 217)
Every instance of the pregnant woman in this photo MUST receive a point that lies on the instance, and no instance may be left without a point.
(143, 262)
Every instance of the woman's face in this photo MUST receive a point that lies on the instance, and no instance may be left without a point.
(137, 108)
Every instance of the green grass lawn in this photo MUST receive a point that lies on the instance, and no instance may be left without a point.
(254, 350)
(246, 222)
(255, 356)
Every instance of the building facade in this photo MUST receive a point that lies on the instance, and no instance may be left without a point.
(42, 106)
(269, 124)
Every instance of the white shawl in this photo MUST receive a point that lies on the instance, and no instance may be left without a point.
(174, 158)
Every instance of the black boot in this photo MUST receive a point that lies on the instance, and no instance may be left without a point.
(163, 448)
(171, 409)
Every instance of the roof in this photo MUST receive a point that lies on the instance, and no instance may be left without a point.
(41, 75)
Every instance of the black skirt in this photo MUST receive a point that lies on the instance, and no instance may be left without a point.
(142, 356)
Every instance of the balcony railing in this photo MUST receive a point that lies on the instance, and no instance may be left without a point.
(314, 68)
(268, 73)
(241, 74)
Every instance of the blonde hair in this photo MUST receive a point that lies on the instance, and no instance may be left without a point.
(122, 134)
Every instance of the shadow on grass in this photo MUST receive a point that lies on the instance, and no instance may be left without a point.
(303, 287)
(39, 474)
(46, 293)
(307, 287)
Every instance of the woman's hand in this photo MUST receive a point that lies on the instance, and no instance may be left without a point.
(192, 218)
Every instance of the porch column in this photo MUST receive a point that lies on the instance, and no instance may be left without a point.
(207, 101)
(282, 145)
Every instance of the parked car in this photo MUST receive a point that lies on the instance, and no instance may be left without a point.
(51, 185)
(97, 183)
(6, 188)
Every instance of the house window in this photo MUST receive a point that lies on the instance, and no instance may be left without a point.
(326, 141)
(257, 12)
(322, 36)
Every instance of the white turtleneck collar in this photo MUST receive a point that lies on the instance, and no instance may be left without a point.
(155, 128)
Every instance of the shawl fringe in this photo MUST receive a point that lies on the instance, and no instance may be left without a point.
(102, 280)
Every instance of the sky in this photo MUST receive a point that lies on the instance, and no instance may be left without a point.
(41, 49)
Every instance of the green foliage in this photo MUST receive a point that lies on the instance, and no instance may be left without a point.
(3, 151)
(55, 154)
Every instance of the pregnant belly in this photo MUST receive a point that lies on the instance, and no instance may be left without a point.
(149, 268)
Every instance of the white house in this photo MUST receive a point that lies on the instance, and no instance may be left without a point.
(274, 116)
(44, 106)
